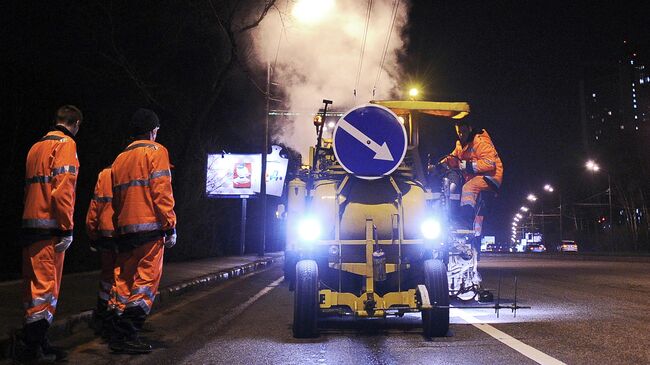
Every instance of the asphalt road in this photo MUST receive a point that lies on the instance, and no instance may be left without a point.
(583, 312)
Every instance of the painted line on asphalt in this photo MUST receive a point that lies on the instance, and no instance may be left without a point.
(242, 307)
(526, 350)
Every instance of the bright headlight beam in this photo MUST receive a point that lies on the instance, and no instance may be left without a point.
(309, 229)
(431, 229)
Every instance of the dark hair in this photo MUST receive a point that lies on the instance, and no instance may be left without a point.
(467, 121)
(68, 115)
(140, 136)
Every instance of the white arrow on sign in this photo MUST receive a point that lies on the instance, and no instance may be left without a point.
(381, 152)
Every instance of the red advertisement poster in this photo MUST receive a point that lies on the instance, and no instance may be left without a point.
(242, 175)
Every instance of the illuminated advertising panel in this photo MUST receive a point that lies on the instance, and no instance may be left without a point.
(238, 175)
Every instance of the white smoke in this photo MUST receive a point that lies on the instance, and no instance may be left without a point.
(319, 59)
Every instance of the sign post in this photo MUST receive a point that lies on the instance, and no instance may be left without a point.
(242, 236)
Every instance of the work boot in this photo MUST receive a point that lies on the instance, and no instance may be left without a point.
(464, 218)
(33, 337)
(136, 316)
(130, 346)
(58, 352)
(124, 335)
(35, 355)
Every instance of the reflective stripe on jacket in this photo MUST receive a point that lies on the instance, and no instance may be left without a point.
(482, 159)
(99, 220)
(50, 181)
(142, 189)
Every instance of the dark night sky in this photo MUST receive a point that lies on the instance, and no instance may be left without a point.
(517, 62)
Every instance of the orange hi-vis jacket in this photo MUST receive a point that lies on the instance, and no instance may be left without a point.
(50, 181)
(142, 191)
(99, 220)
(482, 159)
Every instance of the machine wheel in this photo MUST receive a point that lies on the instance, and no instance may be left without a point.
(306, 303)
(435, 321)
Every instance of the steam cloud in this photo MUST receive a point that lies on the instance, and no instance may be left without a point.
(320, 59)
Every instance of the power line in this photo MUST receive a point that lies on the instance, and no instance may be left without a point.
(363, 47)
(385, 51)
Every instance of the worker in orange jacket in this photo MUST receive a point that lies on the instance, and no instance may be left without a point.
(99, 226)
(481, 167)
(145, 223)
(50, 182)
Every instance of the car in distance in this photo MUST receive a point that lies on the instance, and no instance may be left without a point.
(535, 247)
(568, 246)
(498, 247)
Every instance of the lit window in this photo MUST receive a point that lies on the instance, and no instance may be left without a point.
(631, 62)
(593, 95)
(637, 127)
(609, 112)
(634, 100)
(622, 126)
(634, 106)
(640, 81)
(636, 117)
(633, 90)
(647, 79)
(596, 138)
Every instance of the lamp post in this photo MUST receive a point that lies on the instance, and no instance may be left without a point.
(550, 189)
(592, 166)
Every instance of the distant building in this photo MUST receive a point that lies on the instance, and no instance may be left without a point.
(616, 101)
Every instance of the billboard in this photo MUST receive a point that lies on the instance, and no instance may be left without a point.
(238, 175)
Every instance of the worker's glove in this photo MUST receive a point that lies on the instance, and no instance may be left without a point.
(63, 244)
(93, 246)
(170, 238)
(463, 165)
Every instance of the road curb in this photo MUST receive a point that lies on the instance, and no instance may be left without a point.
(66, 326)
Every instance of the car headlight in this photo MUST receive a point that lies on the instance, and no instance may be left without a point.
(309, 229)
(431, 229)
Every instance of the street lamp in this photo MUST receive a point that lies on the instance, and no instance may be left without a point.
(524, 209)
(548, 188)
(413, 93)
(311, 11)
(592, 166)
(531, 197)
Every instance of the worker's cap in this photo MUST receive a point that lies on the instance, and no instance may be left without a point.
(143, 121)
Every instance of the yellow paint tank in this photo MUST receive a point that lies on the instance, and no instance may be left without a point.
(361, 199)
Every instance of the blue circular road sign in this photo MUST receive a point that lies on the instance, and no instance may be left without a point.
(369, 141)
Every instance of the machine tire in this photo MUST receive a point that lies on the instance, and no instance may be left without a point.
(435, 321)
(306, 303)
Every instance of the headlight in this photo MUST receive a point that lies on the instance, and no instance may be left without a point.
(309, 229)
(430, 229)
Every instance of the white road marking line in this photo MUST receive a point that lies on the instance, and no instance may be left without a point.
(526, 350)
(240, 308)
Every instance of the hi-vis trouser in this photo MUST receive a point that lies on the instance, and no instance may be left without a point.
(42, 271)
(106, 277)
(137, 276)
(469, 196)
